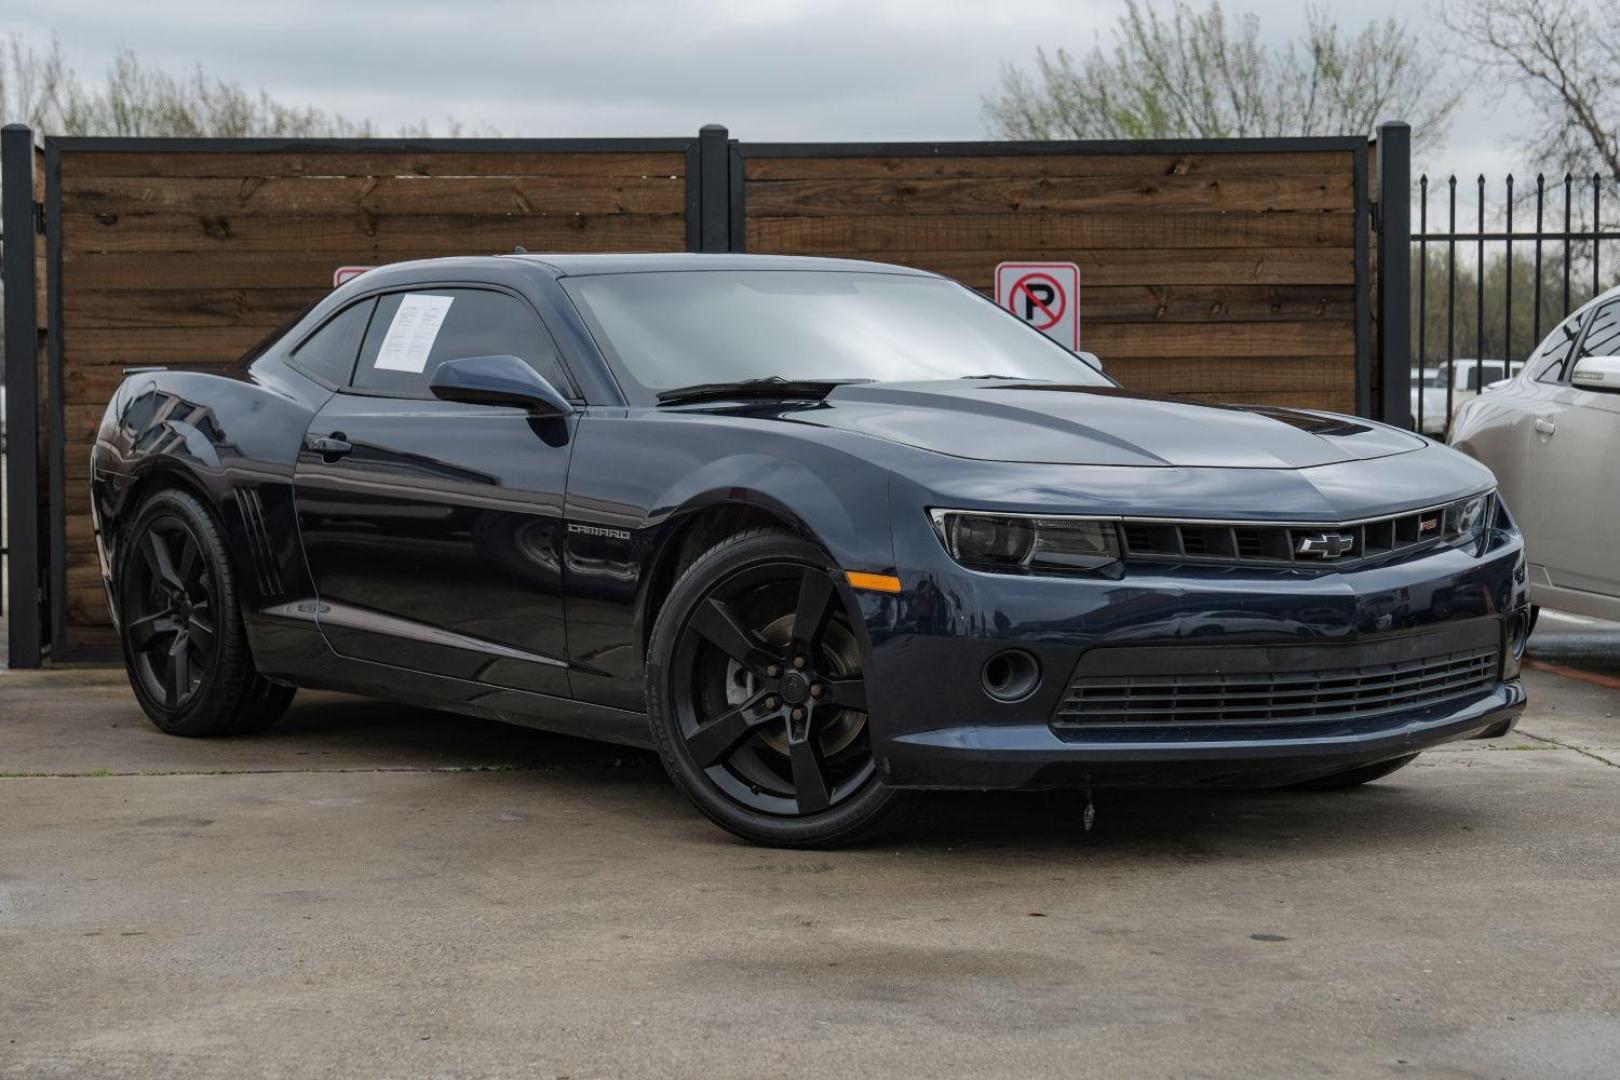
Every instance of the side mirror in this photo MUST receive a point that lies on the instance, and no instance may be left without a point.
(1091, 358)
(1597, 373)
(498, 380)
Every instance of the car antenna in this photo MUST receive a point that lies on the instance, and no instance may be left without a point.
(519, 249)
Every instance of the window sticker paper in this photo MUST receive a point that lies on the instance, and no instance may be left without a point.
(412, 333)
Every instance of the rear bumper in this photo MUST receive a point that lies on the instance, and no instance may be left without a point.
(1033, 756)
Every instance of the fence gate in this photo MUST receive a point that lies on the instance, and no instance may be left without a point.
(1227, 270)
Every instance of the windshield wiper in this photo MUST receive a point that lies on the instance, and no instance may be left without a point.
(773, 387)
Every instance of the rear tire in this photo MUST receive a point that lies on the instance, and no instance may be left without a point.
(756, 696)
(181, 625)
(1350, 778)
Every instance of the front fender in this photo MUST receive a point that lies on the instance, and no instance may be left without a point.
(637, 478)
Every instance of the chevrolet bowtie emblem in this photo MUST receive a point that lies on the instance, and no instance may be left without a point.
(1325, 545)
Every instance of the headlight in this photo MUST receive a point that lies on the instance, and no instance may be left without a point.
(1464, 522)
(1012, 543)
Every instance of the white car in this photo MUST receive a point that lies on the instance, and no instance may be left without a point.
(1467, 378)
(1552, 436)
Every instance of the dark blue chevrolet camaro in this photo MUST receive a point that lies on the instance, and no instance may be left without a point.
(821, 532)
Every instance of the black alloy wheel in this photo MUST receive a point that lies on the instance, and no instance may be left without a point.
(758, 695)
(170, 613)
(180, 625)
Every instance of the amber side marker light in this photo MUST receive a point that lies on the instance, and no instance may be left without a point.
(872, 582)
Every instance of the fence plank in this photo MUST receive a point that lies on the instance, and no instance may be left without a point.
(200, 308)
(299, 195)
(1180, 375)
(238, 164)
(1283, 341)
(918, 166)
(364, 236)
(1077, 195)
(877, 234)
(1189, 266)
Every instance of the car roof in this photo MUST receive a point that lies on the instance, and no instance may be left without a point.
(511, 268)
(577, 264)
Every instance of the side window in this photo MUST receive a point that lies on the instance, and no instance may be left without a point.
(328, 355)
(1602, 332)
(1554, 352)
(413, 333)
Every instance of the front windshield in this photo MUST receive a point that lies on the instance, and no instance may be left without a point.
(670, 329)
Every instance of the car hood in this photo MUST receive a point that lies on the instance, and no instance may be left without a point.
(1090, 425)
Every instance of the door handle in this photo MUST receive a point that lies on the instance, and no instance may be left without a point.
(1545, 426)
(330, 447)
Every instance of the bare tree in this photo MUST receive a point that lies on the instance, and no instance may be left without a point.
(1193, 73)
(38, 88)
(1565, 56)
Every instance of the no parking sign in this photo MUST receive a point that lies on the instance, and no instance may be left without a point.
(1044, 294)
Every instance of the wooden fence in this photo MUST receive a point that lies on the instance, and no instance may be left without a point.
(1236, 271)
(187, 256)
(1221, 275)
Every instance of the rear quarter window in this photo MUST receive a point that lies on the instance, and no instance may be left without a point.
(1555, 351)
(327, 356)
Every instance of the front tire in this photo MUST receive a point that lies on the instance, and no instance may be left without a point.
(756, 694)
(181, 625)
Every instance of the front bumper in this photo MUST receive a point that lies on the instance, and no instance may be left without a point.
(935, 725)
(1033, 756)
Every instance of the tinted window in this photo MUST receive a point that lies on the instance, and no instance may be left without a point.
(1554, 351)
(1481, 377)
(329, 354)
(676, 328)
(1603, 333)
(475, 322)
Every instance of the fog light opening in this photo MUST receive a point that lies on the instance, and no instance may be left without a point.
(1521, 633)
(1012, 675)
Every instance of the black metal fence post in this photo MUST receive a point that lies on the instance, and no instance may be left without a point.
(714, 190)
(18, 217)
(1395, 274)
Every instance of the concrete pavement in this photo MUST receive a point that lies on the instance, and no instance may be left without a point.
(376, 891)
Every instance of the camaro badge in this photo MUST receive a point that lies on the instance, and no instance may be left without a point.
(597, 530)
(1325, 545)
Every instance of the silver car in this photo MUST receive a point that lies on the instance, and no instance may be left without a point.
(1459, 381)
(1552, 436)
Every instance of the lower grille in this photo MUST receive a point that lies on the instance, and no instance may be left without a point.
(1278, 684)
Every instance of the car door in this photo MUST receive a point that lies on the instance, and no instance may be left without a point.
(433, 529)
(1578, 433)
(1505, 430)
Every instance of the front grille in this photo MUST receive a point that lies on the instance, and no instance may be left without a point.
(1279, 545)
(1242, 685)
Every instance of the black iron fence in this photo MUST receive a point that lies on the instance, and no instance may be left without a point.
(1484, 297)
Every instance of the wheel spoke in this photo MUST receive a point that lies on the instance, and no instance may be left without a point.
(714, 741)
(158, 560)
(813, 610)
(177, 671)
(201, 632)
(849, 693)
(715, 621)
(145, 631)
(809, 775)
(190, 567)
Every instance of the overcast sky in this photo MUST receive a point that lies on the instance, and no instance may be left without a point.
(770, 69)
